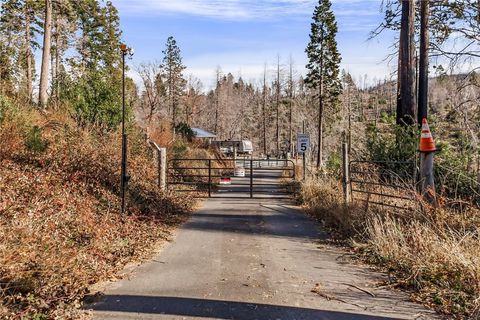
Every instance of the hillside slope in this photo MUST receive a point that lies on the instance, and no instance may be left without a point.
(60, 227)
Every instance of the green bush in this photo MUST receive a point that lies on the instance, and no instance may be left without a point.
(334, 164)
(34, 141)
(397, 143)
(96, 99)
(454, 164)
(185, 131)
(5, 106)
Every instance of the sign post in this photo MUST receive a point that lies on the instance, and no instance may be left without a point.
(303, 146)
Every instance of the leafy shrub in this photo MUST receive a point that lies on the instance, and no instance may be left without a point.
(454, 162)
(334, 164)
(185, 131)
(34, 141)
(96, 99)
(3, 108)
(395, 143)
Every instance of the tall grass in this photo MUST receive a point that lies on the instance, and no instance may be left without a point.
(433, 252)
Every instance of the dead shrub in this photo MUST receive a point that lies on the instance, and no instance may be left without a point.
(60, 227)
(324, 200)
(432, 251)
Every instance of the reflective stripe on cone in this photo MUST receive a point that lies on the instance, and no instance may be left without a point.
(426, 139)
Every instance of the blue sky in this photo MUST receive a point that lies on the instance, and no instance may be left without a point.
(241, 36)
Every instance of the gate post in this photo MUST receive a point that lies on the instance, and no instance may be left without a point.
(294, 171)
(251, 178)
(162, 168)
(209, 178)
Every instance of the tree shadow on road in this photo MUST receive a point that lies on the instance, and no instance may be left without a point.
(276, 224)
(217, 309)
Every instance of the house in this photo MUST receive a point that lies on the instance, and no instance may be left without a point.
(204, 135)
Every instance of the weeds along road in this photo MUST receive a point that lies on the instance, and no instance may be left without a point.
(252, 259)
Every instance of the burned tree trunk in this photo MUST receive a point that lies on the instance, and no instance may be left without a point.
(406, 101)
(423, 64)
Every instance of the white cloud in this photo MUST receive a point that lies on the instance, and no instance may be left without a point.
(220, 9)
(245, 9)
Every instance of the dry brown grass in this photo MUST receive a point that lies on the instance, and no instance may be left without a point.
(324, 200)
(433, 252)
(60, 227)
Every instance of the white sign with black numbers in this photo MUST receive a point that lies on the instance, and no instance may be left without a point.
(303, 143)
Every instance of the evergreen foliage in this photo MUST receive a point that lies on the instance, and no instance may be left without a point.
(88, 81)
(94, 92)
(323, 66)
(172, 72)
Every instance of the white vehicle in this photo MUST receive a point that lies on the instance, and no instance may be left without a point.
(244, 147)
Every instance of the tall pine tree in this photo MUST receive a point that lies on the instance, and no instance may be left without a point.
(47, 44)
(173, 74)
(323, 66)
(93, 87)
(19, 27)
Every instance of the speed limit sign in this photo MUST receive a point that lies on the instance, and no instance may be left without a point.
(303, 143)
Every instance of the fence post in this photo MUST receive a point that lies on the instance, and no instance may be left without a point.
(162, 168)
(427, 150)
(346, 174)
(427, 177)
(209, 178)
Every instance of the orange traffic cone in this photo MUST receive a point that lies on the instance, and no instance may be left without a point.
(426, 140)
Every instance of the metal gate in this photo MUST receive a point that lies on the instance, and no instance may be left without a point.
(229, 178)
(389, 184)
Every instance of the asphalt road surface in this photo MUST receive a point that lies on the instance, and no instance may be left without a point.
(253, 259)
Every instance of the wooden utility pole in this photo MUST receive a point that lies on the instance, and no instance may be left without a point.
(423, 67)
(47, 37)
(406, 101)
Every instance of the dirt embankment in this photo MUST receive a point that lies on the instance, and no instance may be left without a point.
(60, 226)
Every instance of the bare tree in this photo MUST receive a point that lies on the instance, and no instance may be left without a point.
(218, 74)
(193, 98)
(277, 107)
(154, 88)
(291, 97)
(264, 109)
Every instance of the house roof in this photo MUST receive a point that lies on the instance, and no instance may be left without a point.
(200, 133)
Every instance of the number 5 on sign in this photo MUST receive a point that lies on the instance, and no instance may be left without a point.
(303, 143)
